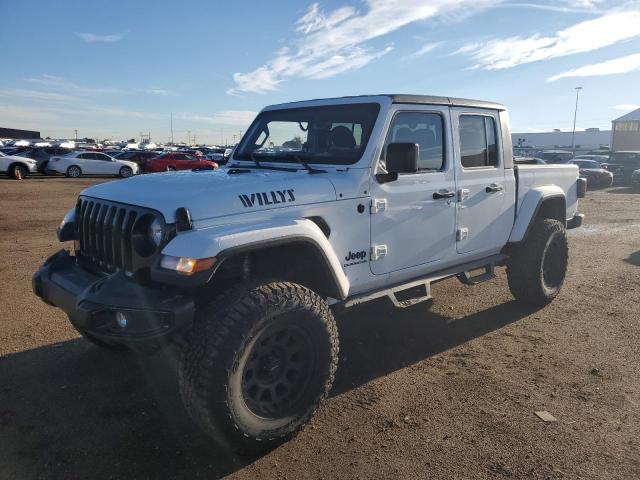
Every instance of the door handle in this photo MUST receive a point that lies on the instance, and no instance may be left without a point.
(443, 194)
(493, 188)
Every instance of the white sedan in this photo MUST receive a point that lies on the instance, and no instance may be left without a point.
(91, 163)
(17, 167)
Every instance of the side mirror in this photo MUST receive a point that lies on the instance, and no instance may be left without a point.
(402, 158)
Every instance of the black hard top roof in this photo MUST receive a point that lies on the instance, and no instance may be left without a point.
(412, 99)
(451, 101)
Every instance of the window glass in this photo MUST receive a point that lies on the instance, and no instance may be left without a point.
(478, 141)
(473, 141)
(332, 134)
(85, 156)
(102, 156)
(425, 129)
(492, 147)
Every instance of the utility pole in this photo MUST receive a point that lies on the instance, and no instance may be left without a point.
(575, 116)
(171, 128)
(76, 134)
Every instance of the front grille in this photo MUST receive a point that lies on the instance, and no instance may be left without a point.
(105, 233)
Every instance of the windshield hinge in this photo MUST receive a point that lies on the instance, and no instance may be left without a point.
(378, 205)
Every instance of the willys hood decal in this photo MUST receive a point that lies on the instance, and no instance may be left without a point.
(209, 194)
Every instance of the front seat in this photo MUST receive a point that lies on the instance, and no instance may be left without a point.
(341, 137)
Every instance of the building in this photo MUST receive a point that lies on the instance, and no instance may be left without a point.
(626, 132)
(16, 134)
(589, 139)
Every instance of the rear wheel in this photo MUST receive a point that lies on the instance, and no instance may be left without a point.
(19, 172)
(258, 363)
(126, 172)
(537, 268)
(74, 171)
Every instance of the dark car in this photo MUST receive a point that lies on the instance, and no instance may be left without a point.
(597, 177)
(177, 161)
(556, 156)
(622, 164)
(138, 156)
(42, 155)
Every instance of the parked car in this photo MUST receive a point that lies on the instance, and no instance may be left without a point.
(556, 156)
(622, 164)
(598, 158)
(167, 162)
(137, 156)
(597, 177)
(42, 155)
(17, 167)
(80, 163)
(635, 179)
(529, 161)
(243, 270)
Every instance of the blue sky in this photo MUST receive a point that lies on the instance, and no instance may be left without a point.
(113, 69)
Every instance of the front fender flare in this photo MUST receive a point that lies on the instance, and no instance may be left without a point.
(227, 240)
(528, 209)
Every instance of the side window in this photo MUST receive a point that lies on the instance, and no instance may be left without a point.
(85, 156)
(478, 145)
(103, 157)
(425, 129)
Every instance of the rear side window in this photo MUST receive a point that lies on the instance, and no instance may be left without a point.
(425, 129)
(478, 144)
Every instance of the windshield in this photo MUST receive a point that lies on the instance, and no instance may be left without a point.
(334, 134)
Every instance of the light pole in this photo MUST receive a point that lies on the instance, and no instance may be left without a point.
(575, 116)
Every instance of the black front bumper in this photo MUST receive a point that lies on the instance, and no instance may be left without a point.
(112, 308)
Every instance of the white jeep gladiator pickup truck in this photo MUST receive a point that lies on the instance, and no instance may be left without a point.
(323, 204)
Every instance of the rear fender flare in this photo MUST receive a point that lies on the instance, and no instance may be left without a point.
(529, 208)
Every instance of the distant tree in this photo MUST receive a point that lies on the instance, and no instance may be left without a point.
(295, 143)
(131, 140)
(47, 138)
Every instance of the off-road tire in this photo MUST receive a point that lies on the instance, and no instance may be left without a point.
(125, 172)
(19, 172)
(537, 268)
(74, 171)
(221, 350)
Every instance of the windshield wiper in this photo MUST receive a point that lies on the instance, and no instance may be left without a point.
(309, 168)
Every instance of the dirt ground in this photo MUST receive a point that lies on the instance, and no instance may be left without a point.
(446, 391)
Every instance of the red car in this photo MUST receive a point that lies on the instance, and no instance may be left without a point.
(167, 162)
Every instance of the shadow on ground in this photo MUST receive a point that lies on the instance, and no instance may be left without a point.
(634, 259)
(71, 410)
(623, 189)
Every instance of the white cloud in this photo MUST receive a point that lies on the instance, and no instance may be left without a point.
(335, 42)
(610, 67)
(37, 95)
(626, 107)
(583, 37)
(93, 38)
(159, 92)
(429, 47)
(234, 118)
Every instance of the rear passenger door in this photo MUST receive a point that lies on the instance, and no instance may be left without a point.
(484, 218)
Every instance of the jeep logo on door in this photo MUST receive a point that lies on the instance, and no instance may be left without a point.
(273, 197)
(355, 258)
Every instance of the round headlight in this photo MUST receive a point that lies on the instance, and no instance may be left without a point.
(155, 231)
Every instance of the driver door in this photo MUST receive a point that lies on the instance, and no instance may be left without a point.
(413, 217)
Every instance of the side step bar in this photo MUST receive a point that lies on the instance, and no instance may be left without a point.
(467, 279)
(462, 272)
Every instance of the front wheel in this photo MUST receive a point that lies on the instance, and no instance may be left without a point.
(125, 172)
(258, 362)
(537, 268)
(19, 172)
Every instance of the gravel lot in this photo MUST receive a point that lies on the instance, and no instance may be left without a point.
(447, 391)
